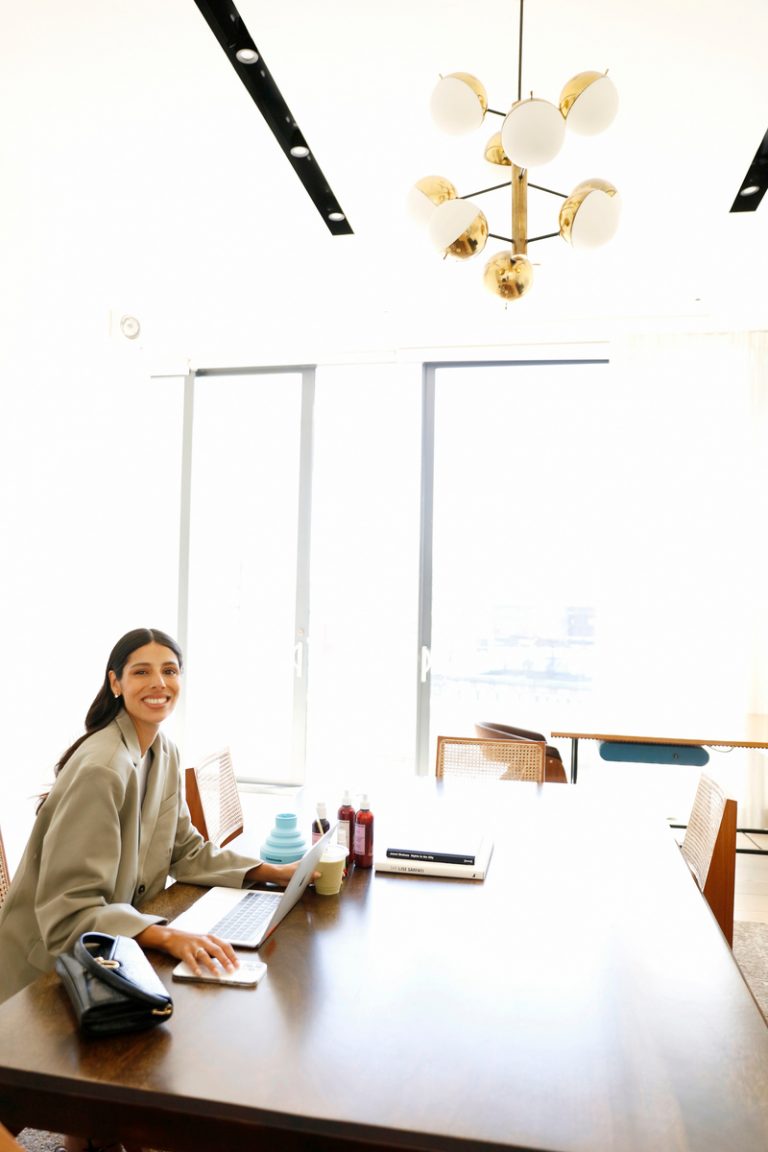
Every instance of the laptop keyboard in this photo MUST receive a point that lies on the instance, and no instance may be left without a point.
(248, 918)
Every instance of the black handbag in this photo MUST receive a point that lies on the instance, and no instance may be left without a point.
(112, 986)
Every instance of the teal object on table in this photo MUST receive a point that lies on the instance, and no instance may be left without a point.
(285, 842)
(654, 753)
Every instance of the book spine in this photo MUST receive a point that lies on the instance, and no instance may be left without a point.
(432, 857)
(428, 868)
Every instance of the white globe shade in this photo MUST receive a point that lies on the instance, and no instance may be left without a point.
(589, 103)
(420, 207)
(458, 103)
(590, 216)
(532, 133)
(426, 194)
(450, 220)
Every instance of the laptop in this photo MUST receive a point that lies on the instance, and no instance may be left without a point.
(247, 917)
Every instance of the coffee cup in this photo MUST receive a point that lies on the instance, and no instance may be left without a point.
(331, 869)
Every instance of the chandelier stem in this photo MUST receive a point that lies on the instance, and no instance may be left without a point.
(520, 54)
(482, 191)
(519, 210)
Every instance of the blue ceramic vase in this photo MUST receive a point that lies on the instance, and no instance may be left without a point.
(285, 843)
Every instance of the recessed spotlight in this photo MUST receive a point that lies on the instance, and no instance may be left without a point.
(336, 216)
(300, 151)
(750, 190)
(247, 55)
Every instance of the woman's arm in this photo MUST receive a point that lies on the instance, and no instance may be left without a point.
(264, 873)
(205, 950)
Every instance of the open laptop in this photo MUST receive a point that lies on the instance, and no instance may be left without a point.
(247, 917)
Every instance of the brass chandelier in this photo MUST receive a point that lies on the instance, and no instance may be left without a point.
(531, 134)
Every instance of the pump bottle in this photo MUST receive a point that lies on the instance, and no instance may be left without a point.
(363, 838)
(320, 823)
(346, 826)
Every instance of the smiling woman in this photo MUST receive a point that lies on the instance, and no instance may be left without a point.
(149, 686)
(114, 826)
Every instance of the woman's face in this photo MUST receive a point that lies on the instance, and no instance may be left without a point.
(150, 684)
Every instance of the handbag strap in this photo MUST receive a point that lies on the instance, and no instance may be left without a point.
(96, 952)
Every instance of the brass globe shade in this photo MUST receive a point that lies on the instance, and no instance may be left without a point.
(494, 151)
(458, 228)
(508, 276)
(533, 132)
(459, 103)
(589, 102)
(590, 215)
(427, 194)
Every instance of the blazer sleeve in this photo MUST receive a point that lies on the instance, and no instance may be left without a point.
(80, 886)
(197, 861)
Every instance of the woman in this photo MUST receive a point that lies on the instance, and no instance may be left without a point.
(114, 826)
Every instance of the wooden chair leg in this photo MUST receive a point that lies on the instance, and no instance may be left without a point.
(721, 878)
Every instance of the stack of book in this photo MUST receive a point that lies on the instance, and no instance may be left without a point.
(463, 858)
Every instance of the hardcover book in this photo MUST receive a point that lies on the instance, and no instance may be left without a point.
(428, 863)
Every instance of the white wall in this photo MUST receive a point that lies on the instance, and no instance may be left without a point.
(110, 203)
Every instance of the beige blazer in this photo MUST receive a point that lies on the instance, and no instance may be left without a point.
(96, 853)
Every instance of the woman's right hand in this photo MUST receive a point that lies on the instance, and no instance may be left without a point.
(197, 950)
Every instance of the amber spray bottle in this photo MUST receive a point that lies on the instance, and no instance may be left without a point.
(363, 842)
(346, 828)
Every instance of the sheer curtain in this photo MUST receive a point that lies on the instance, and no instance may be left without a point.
(683, 618)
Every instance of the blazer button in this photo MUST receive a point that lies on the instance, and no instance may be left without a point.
(142, 889)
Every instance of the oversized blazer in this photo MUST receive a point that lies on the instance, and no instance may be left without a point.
(96, 853)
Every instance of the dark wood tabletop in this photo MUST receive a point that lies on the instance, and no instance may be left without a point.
(580, 999)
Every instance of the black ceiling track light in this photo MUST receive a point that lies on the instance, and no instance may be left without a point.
(755, 182)
(228, 27)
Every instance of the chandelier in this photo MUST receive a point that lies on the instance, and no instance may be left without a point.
(532, 133)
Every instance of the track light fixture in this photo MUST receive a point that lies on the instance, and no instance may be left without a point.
(229, 28)
(531, 135)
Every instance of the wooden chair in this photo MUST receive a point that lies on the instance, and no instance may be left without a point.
(5, 875)
(709, 849)
(469, 758)
(7, 1142)
(213, 798)
(554, 770)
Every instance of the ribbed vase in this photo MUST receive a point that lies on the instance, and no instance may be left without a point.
(285, 843)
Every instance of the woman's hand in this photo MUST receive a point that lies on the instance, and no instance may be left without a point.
(198, 951)
(271, 873)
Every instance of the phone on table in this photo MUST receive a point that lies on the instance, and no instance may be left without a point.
(247, 975)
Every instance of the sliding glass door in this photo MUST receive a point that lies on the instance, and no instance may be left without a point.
(246, 613)
(510, 610)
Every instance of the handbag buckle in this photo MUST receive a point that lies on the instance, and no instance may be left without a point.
(107, 963)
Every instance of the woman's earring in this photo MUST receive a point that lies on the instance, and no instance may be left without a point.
(117, 695)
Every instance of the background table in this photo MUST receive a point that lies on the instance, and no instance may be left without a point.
(581, 998)
(574, 737)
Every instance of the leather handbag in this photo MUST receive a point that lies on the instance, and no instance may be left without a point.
(112, 986)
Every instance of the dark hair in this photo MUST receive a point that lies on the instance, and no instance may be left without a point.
(106, 706)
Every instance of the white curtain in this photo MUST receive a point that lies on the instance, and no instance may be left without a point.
(683, 618)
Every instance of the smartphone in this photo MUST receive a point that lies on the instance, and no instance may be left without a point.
(247, 975)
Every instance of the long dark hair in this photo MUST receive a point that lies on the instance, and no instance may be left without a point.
(106, 705)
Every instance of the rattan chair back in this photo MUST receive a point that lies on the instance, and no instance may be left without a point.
(213, 798)
(476, 759)
(5, 875)
(703, 828)
(554, 770)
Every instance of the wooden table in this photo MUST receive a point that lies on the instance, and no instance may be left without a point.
(581, 999)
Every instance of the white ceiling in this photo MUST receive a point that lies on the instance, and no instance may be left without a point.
(136, 151)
